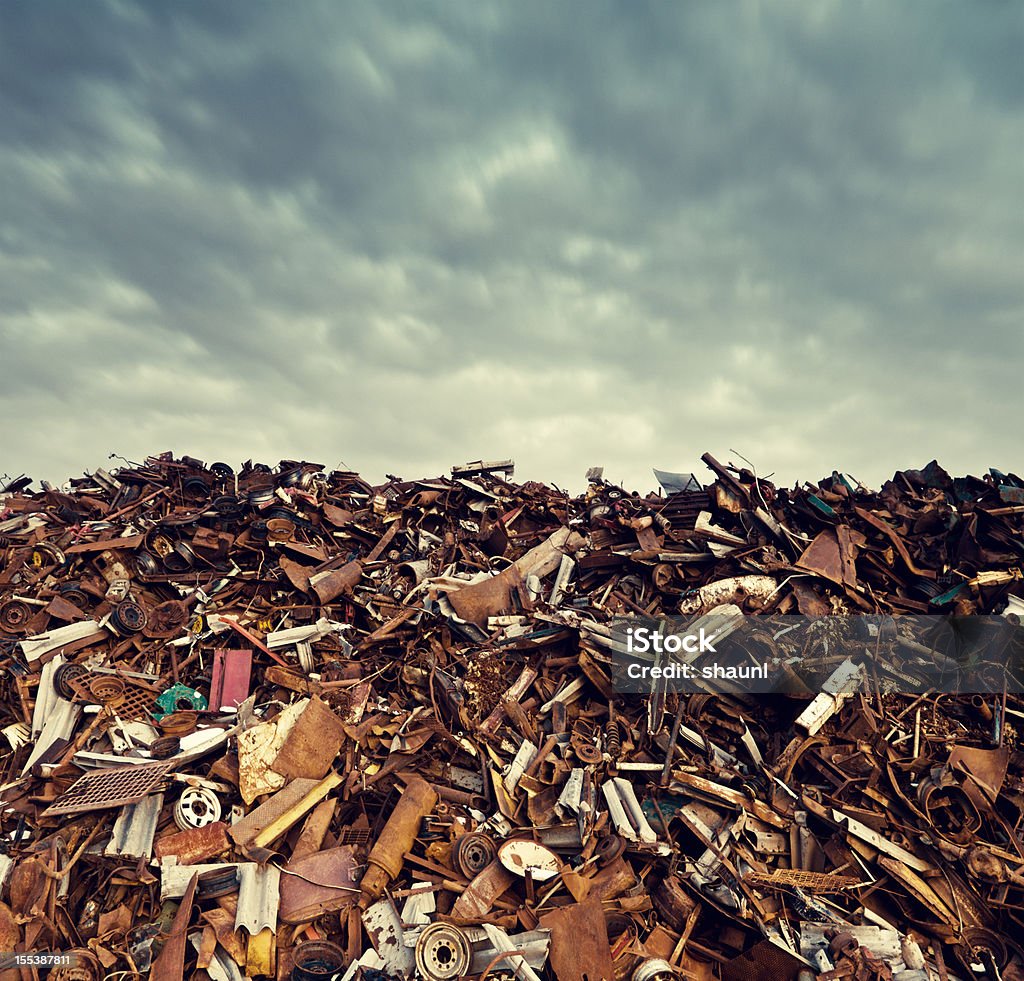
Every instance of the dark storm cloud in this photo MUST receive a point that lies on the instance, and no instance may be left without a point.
(403, 235)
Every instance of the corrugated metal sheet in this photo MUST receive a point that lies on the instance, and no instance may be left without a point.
(135, 827)
(46, 696)
(59, 724)
(174, 878)
(258, 897)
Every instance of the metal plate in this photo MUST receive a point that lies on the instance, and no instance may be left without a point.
(110, 788)
(522, 855)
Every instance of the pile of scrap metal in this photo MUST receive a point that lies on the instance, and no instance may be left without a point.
(281, 723)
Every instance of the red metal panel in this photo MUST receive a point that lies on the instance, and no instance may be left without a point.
(229, 686)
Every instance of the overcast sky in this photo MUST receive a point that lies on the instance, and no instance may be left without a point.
(407, 235)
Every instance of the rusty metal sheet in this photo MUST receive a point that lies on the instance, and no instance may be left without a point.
(832, 554)
(319, 883)
(194, 845)
(491, 597)
(312, 743)
(477, 900)
(579, 942)
(104, 544)
(170, 964)
(986, 767)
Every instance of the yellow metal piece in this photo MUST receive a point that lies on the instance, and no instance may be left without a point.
(259, 959)
(278, 827)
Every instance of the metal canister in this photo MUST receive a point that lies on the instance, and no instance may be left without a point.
(385, 859)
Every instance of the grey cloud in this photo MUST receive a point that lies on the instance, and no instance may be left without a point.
(402, 235)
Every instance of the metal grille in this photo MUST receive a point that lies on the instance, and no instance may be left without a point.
(355, 836)
(109, 788)
(683, 507)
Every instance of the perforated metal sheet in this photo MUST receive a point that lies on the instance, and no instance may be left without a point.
(110, 788)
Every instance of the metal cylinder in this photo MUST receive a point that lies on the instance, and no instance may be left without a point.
(417, 570)
(980, 708)
(385, 859)
(332, 584)
(464, 797)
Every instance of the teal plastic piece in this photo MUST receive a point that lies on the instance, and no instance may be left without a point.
(948, 596)
(177, 698)
(821, 505)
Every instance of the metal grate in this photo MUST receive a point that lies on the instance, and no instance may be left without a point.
(109, 788)
(355, 836)
(683, 508)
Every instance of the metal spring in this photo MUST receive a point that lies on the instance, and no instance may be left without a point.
(612, 738)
